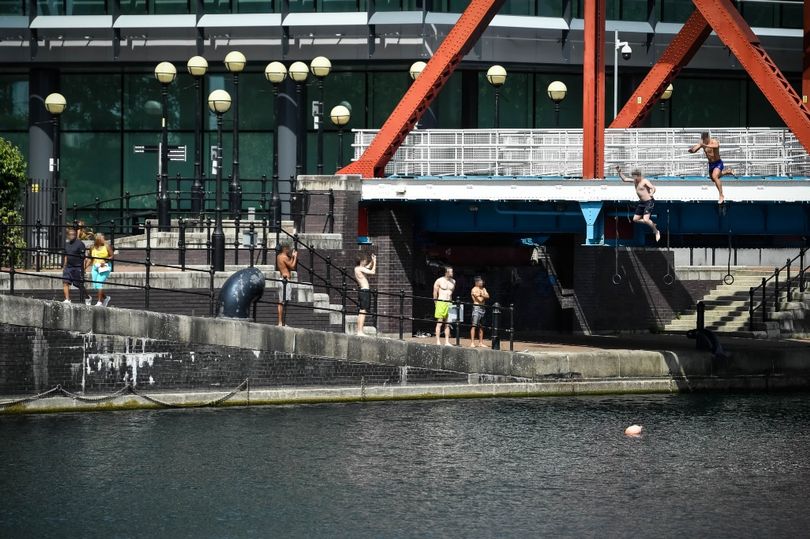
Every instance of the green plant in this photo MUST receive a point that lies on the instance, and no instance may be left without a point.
(12, 183)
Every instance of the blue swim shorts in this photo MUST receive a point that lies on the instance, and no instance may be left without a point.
(716, 164)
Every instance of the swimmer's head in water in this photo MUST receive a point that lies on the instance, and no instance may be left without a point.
(633, 430)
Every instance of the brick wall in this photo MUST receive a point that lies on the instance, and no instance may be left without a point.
(642, 301)
(35, 360)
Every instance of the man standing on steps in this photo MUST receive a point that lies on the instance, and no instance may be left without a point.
(285, 265)
(645, 190)
(363, 268)
(442, 297)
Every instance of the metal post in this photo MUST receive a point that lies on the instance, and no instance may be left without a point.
(12, 253)
(401, 314)
(164, 221)
(275, 201)
(776, 290)
(97, 207)
(787, 280)
(764, 301)
(58, 192)
(616, 74)
(218, 236)
(701, 315)
(252, 244)
(311, 263)
(497, 108)
(236, 242)
(181, 244)
(340, 147)
(301, 132)
(37, 246)
(264, 242)
(458, 321)
(331, 215)
(197, 195)
(319, 167)
(496, 322)
(211, 273)
(343, 292)
(556, 114)
(235, 187)
(128, 211)
(751, 309)
(801, 270)
(511, 327)
(148, 263)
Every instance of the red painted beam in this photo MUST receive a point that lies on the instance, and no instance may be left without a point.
(593, 90)
(678, 53)
(425, 88)
(806, 56)
(735, 33)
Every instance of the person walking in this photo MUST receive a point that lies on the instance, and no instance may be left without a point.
(100, 256)
(645, 190)
(74, 265)
(442, 296)
(363, 268)
(286, 262)
(479, 298)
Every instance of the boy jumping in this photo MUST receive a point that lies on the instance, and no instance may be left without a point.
(645, 190)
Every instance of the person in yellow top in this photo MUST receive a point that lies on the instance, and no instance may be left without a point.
(100, 255)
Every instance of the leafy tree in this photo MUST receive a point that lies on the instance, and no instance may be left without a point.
(12, 183)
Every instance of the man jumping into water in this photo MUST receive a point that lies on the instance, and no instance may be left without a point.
(645, 190)
(716, 167)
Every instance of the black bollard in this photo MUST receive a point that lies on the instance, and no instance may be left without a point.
(701, 315)
(496, 324)
(240, 292)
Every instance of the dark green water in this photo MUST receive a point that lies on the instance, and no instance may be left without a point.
(709, 466)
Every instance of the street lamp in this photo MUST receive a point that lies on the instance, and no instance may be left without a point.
(627, 52)
(275, 73)
(556, 92)
(235, 62)
(197, 66)
(165, 73)
(320, 67)
(219, 101)
(496, 75)
(56, 104)
(665, 97)
(340, 116)
(416, 69)
(298, 73)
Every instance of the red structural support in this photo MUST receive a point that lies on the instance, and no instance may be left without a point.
(735, 33)
(425, 88)
(678, 54)
(593, 91)
(806, 56)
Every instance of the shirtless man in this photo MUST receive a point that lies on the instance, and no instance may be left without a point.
(363, 268)
(442, 296)
(716, 167)
(479, 297)
(645, 190)
(285, 265)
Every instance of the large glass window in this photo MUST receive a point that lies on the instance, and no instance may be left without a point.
(14, 101)
(570, 107)
(385, 90)
(91, 166)
(156, 7)
(515, 102)
(94, 103)
(550, 8)
(12, 7)
(719, 102)
(397, 5)
(255, 6)
(142, 102)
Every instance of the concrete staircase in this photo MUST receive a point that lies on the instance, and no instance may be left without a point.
(726, 305)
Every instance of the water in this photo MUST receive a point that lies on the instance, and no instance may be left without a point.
(709, 465)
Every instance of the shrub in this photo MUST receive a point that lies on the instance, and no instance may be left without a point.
(12, 183)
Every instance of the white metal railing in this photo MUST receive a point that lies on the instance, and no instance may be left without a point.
(558, 152)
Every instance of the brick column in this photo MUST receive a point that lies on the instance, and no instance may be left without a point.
(391, 233)
(346, 190)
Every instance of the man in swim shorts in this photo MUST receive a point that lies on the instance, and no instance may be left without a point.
(711, 147)
(442, 297)
(645, 190)
(479, 296)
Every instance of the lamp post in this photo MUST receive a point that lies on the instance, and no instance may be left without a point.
(626, 51)
(556, 92)
(56, 104)
(165, 73)
(665, 97)
(340, 116)
(320, 67)
(496, 76)
(414, 72)
(298, 73)
(197, 66)
(275, 73)
(235, 62)
(219, 101)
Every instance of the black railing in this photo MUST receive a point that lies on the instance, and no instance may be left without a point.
(789, 278)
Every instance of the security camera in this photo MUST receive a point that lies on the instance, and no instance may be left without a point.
(627, 52)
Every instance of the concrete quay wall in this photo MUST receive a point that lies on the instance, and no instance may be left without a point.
(94, 350)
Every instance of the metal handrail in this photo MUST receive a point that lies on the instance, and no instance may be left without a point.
(787, 283)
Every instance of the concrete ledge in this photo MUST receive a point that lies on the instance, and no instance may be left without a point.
(342, 182)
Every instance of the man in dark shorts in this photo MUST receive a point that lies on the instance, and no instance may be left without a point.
(645, 190)
(479, 296)
(717, 169)
(74, 264)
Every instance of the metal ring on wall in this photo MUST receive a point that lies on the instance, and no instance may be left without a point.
(728, 279)
(669, 279)
(617, 279)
